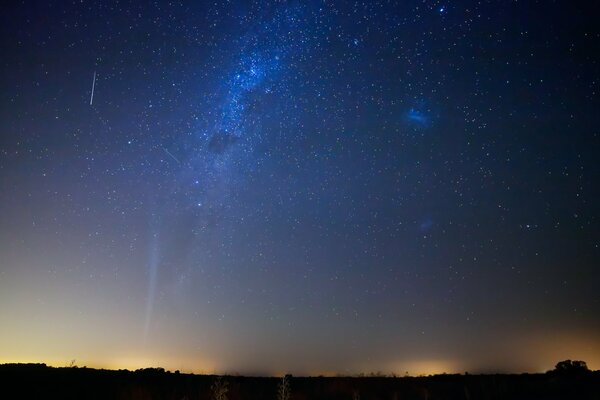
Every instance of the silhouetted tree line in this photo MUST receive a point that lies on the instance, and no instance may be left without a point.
(568, 367)
(568, 380)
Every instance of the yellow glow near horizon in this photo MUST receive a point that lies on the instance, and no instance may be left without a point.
(538, 353)
(428, 367)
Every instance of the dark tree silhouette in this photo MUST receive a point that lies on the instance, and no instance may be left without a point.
(571, 367)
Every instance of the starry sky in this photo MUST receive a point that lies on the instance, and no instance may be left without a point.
(313, 187)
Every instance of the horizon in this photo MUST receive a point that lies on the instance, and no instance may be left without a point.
(418, 369)
(300, 186)
(371, 374)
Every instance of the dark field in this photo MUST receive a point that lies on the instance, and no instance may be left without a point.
(37, 381)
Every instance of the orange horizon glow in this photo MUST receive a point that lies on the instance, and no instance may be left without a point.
(412, 368)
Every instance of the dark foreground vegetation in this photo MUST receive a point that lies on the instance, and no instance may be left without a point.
(37, 381)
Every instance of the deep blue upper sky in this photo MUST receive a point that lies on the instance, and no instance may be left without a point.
(300, 186)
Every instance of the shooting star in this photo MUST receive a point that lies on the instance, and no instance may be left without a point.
(172, 156)
(93, 86)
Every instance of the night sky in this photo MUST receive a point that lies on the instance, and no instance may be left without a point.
(312, 187)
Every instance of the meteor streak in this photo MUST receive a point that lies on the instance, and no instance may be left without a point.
(172, 156)
(93, 86)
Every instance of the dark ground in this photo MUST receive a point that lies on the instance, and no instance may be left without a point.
(37, 381)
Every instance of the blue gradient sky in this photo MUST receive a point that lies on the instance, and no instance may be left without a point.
(304, 187)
